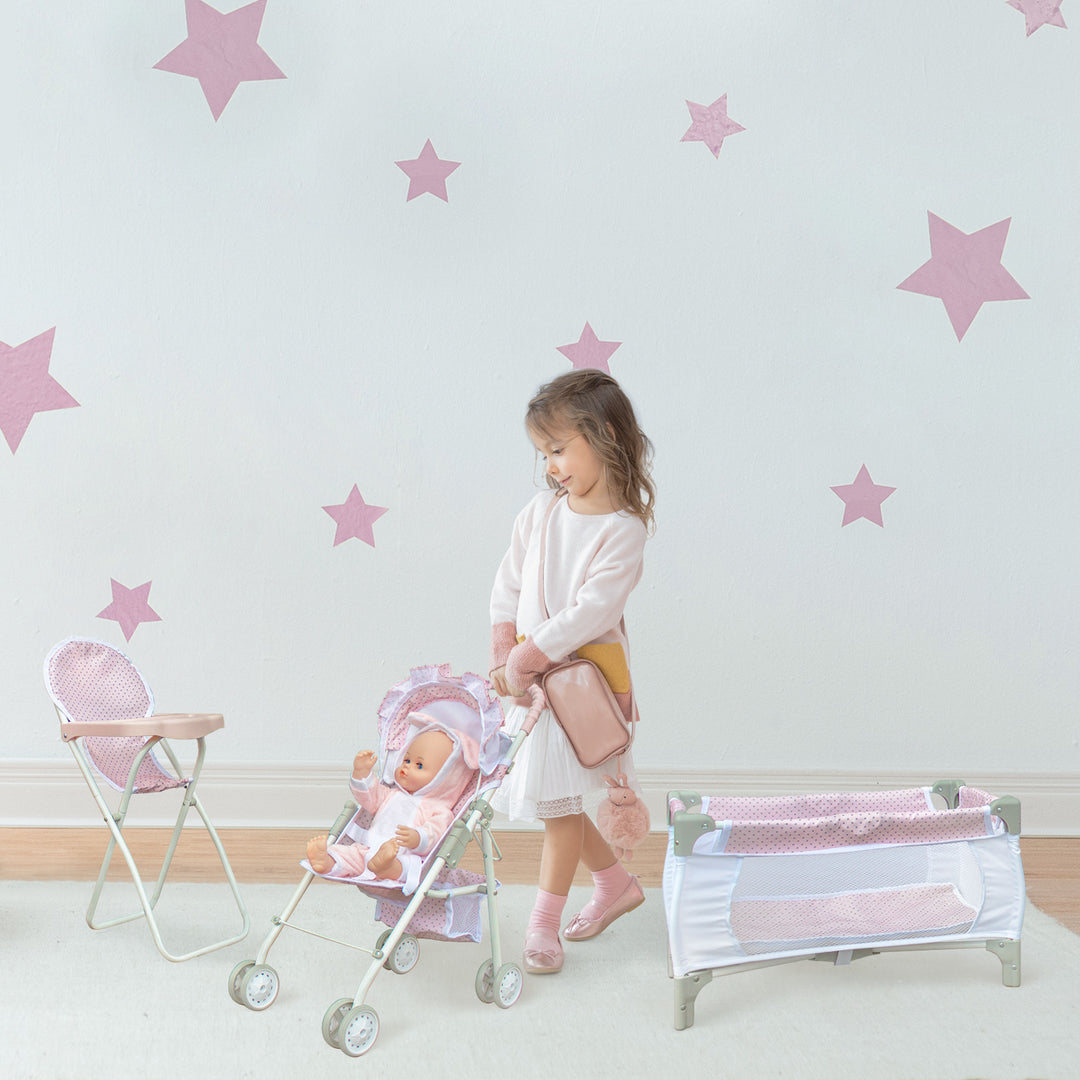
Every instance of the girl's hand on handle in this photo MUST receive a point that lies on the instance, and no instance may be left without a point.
(502, 687)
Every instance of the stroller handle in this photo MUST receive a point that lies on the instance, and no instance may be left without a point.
(535, 709)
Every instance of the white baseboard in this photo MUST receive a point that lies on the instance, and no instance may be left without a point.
(51, 793)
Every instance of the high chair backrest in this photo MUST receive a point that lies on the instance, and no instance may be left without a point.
(91, 681)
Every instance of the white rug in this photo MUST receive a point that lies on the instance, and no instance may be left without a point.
(76, 1004)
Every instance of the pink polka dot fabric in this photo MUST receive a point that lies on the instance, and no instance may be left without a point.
(92, 682)
(797, 823)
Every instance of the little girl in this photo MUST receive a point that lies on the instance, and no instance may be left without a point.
(598, 512)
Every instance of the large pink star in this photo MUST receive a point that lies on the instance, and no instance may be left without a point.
(129, 607)
(964, 270)
(711, 124)
(221, 51)
(589, 351)
(355, 518)
(1039, 13)
(26, 387)
(863, 499)
(428, 172)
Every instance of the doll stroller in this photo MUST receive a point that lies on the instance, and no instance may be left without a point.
(446, 904)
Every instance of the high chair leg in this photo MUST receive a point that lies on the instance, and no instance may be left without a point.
(115, 823)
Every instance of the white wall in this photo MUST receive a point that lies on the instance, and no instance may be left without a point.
(253, 319)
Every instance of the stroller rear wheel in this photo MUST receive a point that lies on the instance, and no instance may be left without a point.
(358, 1031)
(331, 1023)
(508, 984)
(485, 982)
(403, 959)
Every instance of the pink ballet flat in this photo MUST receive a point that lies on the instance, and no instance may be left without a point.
(543, 952)
(582, 927)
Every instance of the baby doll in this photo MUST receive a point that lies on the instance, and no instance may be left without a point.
(409, 815)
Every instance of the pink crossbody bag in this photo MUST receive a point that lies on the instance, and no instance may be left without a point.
(580, 698)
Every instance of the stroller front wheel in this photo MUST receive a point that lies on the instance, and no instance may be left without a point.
(259, 987)
(331, 1024)
(359, 1030)
(235, 976)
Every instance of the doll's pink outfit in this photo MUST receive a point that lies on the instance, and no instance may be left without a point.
(429, 811)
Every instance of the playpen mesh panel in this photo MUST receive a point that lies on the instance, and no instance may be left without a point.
(95, 683)
(822, 900)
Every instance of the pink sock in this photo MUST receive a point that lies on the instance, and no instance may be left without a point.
(547, 912)
(608, 886)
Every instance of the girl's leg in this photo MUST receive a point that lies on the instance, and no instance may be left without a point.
(615, 890)
(562, 849)
(563, 839)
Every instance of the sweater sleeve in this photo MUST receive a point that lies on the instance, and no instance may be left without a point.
(596, 609)
(601, 599)
(507, 587)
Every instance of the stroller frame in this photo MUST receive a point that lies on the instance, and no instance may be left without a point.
(156, 729)
(349, 1024)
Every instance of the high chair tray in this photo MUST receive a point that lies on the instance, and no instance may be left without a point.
(167, 725)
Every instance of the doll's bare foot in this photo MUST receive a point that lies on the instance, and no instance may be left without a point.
(322, 862)
(384, 863)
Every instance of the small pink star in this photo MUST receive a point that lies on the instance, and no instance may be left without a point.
(428, 172)
(221, 51)
(964, 270)
(1039, 13)
(26, 387)
(589, 351)
(355, 517)
(863, 499)
(129, 607)
(711, 124)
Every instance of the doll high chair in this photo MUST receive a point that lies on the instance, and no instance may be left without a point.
(106, 713)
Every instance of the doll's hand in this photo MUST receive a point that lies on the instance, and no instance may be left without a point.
(407, 838)
(502, 687)
(362, 764)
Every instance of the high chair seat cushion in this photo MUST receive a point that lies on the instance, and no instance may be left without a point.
(167, 725)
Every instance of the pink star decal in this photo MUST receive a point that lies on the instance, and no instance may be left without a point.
(711, 124)
(964, 271)
(428, 172)
(221, 51)
(863, 499)
(26, 387)
(355, 517)
(589, 351)
(129, 607)
(1039, 13)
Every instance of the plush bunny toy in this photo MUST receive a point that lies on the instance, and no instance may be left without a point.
(623, 819)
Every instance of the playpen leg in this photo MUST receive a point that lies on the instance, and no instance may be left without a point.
(1008, 952)
(687, 988)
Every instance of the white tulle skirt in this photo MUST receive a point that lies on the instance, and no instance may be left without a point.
(547, 780)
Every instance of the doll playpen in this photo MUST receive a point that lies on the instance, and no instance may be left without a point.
(446, 905)
(750, 882)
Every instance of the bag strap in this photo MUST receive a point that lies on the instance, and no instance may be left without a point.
(544, 612)
(543, 548)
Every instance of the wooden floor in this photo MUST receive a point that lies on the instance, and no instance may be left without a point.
(1051, 864)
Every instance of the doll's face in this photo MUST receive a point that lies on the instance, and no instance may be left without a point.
(423, 758)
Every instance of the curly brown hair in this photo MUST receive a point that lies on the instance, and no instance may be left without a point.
(591, 403)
